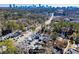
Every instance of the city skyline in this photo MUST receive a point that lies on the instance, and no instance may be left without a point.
(53, 5)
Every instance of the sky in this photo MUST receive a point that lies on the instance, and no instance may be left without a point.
(5, 3)
(53, 5)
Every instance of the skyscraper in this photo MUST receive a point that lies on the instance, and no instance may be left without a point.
(10, 6)
(14, 5)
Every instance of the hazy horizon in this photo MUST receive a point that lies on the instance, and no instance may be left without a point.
(53, 5)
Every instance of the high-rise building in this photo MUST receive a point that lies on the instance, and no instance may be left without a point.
(14, 5)
(10, 6)
(39, 5)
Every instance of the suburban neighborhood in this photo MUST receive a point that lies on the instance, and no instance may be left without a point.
(39, 29)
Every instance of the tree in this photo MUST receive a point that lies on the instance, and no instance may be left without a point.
(12, 25)
(22, 27)
(11, 48)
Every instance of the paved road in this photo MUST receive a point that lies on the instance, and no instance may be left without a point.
(36, 30)
(49, 21)
(69, 46)
(8, 35)
(46, 23)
